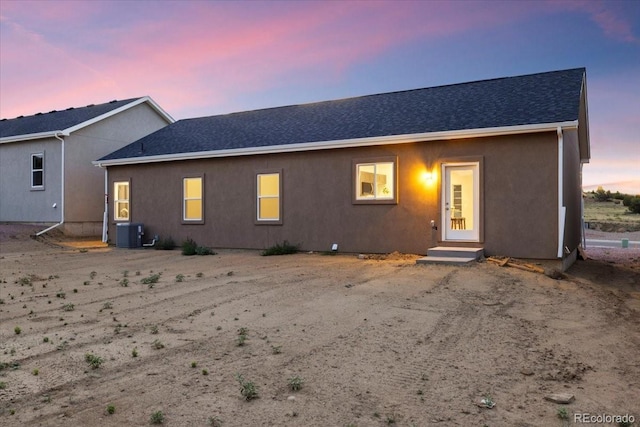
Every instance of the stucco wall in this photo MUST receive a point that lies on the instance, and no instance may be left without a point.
(84, 192)
(18, 201)
(519, 192)
(572, 189)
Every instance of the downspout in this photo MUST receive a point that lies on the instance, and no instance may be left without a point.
(105, 216)
(61, 187)
(562, 210)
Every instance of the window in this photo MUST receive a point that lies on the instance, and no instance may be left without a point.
(37, 171)
(192, 200)
(121, 201)
(375, 181)
(268, 197)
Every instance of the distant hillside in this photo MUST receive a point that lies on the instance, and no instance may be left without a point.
(625, 187)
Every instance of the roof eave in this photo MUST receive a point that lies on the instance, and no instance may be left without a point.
(68, 131)
(345, 143)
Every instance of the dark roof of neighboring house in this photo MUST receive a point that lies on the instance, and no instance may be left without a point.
(550, 97)
(56, 120)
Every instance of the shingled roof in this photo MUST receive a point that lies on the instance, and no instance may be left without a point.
(63, 121)
(544, 98)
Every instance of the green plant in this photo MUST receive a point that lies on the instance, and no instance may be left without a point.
(45, 339)
(35, 372)
(276, 349)
(61, 294)
(281, 249)
(3, 385)
(562, 413)
(124, 282)
(488, 402)
(26, 280)
(242, 336)
(295, 383)
(214, 421)
(17, 330)
(166, 244)
(157, 417)
(157, 344)
(125, 273)
(93, 360)
(134, 352)
(189, 247)
(150, 280)
(107, 306)
(391, 419)
(111, 409)
(205, 372)
(199, 274)
(154, 329)
(194, 364)
(180, 278)
(93, 275)
(248, 389)
(203, 250)
(68, 307)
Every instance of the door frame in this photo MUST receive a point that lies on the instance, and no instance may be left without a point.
(477, 234)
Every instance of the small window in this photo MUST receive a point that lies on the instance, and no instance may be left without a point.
(37, 171)
(192, 200)
(121, 201)
(375, 181)
(268, 194)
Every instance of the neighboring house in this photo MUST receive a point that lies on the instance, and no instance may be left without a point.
(46, 175)
(493, 164)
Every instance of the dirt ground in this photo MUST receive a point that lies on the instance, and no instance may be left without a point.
(377, 341)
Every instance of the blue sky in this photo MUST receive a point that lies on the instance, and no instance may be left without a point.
(199, 58)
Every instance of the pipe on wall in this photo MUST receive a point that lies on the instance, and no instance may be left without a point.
(56, 135)
(562, 210)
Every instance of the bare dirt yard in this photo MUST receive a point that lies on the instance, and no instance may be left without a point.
(378, 341)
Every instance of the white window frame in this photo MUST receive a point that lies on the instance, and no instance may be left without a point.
(116, 201)
(374, 198)
(34, 170)
(185, 199)
(278, 196)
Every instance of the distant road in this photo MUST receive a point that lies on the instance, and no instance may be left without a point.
(592, 243)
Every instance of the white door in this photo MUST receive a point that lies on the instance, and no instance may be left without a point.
(460, 196)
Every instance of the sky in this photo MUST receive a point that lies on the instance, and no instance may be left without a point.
(201, 58)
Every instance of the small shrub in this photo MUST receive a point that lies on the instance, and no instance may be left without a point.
(61, 295)
(68, 307)
(93, 275)
(205, 372)
(166, 244)
(194, 364)
(107, 306)
(214, 421)
(157, 417)
(276, 349)
(180, 278)
(45, 339)
(203, 250)
(248, 389)
(189, 247)
(35, 372)
(3, 385)
(295, 383)
(17, 330)
(150, 280)
(562, 413)
(154, 329)
(199, 275)
(93, 360)
(111, 409)
(242, 336)
(281, 249)
(134, 352)
(157, 344)
(124, 282)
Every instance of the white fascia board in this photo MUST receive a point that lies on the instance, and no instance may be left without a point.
(32, 136)
(68, 131)
(345, 143)
(132, 104)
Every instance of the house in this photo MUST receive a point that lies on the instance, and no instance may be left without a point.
(45, 161)
(493, 164)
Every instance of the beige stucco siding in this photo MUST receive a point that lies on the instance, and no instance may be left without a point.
(85, 182)
(519, 192)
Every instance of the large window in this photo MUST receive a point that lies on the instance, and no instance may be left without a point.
(121, 201)
(192, 200)
(375, 181)
(37, 171)
(268, 197)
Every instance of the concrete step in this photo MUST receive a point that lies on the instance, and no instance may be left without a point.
(453, 252)
(447, 260)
